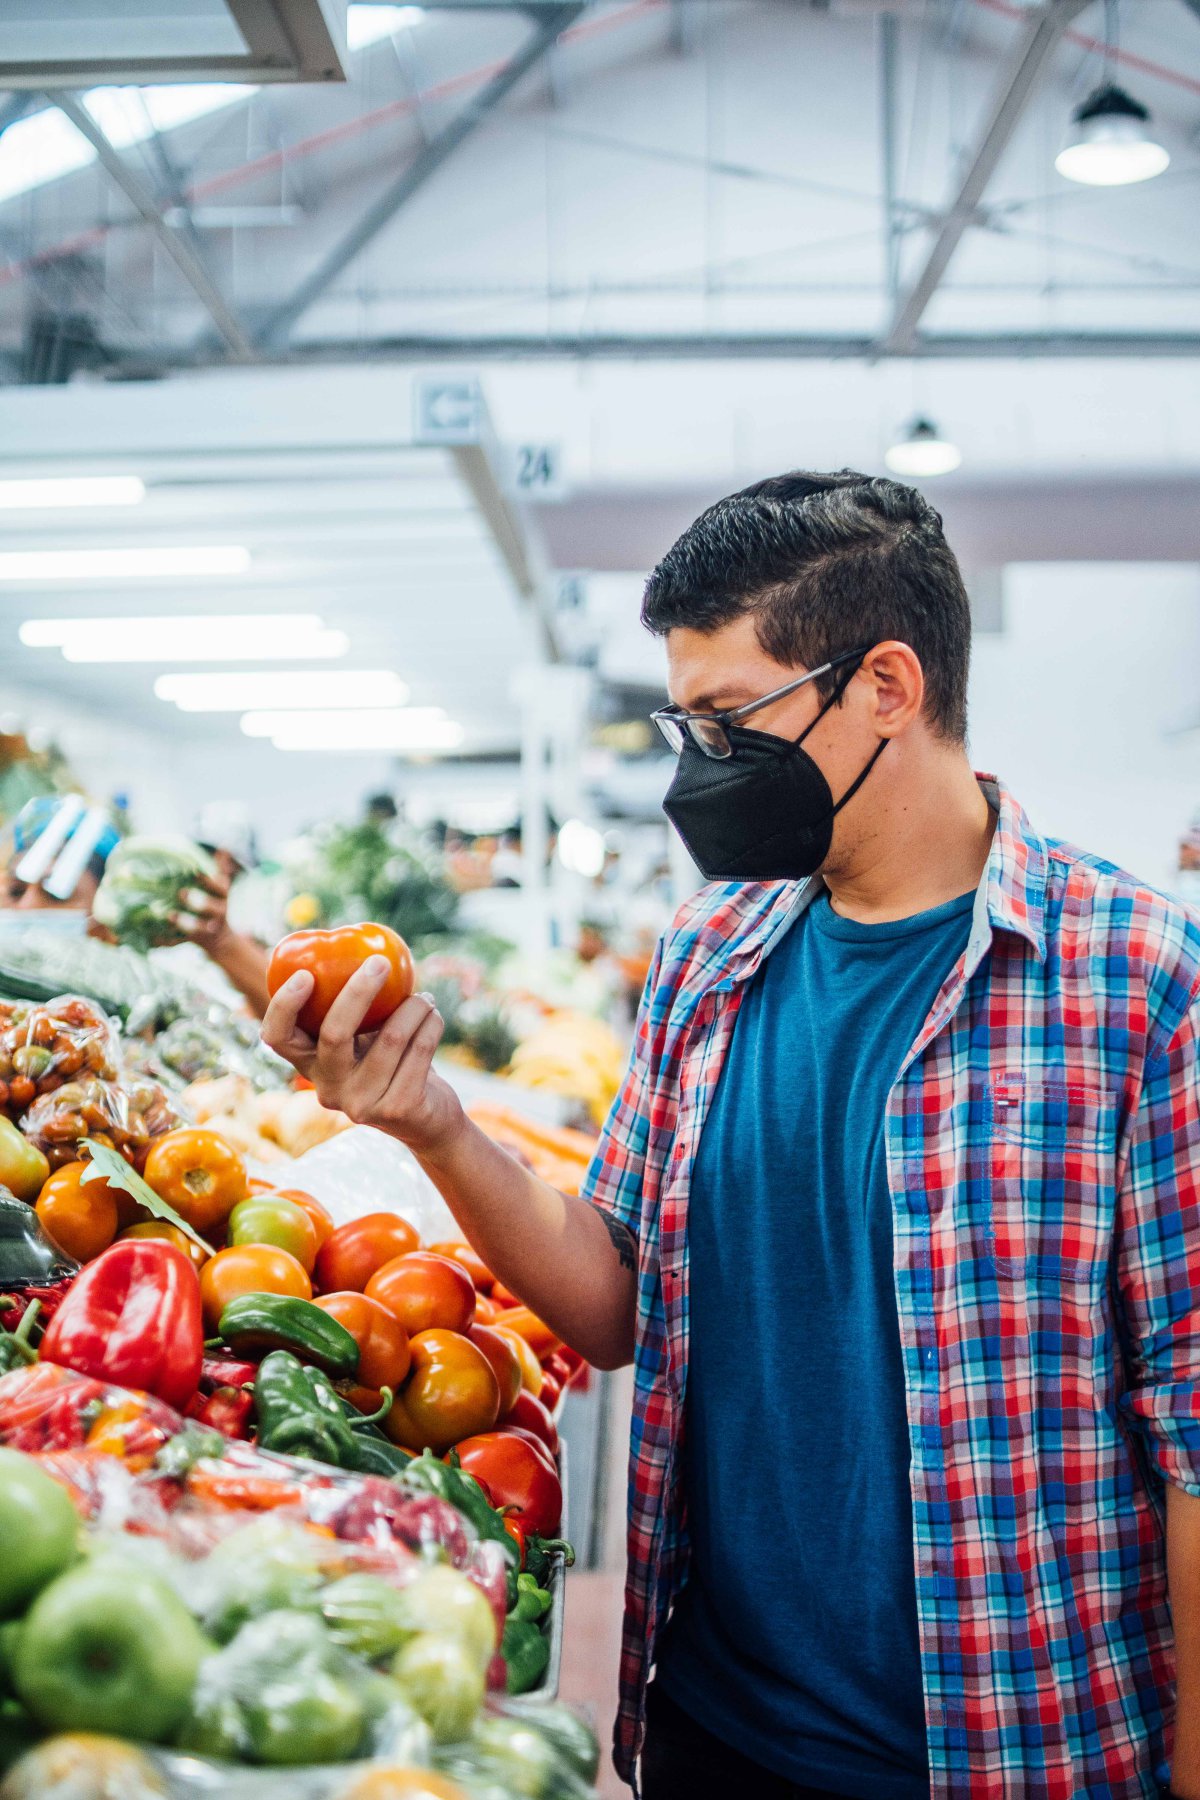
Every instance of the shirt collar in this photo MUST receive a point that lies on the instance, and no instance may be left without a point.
(1012, 892)
(1014, 880)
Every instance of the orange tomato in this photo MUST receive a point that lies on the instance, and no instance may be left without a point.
(316, 1212)
(451, 1389)
(256, 1185)
(331, 958)
(470, 1259)
(505, 1363)
(383, 1353)
(199, 1174)
(80, 1216)
(162, 1228)
(425, 1292)
(485, 1310)
(351, 1256)
(249, 1269)
(531, 1368)
(536, 1332)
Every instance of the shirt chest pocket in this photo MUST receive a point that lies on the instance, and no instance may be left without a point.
(1051, 1178)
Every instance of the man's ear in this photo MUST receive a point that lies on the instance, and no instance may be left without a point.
(897, 687)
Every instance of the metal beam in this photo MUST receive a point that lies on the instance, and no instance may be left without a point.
(1039, 36)
(425, 164)
(1013, 347)
(177, 248)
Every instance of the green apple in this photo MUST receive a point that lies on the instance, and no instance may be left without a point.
(109, 1647)
(39, 1529)
(441, 1679)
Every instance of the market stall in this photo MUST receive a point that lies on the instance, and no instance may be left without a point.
(279, 1456)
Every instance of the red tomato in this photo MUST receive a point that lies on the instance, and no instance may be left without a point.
(529, 1414)
(331, 958)
(450, 1393)
(351, 1256)
(383, 1353)
(533, 1440)
(504, 1361)
(313, 1208)
(518, 1476)
(550, 1393)
(471, 1261)
(425, 1292)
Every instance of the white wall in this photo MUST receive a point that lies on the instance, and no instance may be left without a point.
(1073, 705)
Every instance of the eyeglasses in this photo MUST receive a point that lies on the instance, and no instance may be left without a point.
(708, 730)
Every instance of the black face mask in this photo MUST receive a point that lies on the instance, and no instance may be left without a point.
(763, 814)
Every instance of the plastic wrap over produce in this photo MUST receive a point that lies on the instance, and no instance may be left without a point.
(46, 1045)
(267, 1627)
(364, 1171)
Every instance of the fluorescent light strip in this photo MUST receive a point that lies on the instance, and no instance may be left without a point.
(413, 728)
(121, 565)
(205, 637)
(71, 490)
(283, 688)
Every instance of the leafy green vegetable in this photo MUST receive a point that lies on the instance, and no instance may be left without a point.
(112, 1167)
(142, 883)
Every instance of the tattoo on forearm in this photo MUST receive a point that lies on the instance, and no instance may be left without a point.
(623, 1239)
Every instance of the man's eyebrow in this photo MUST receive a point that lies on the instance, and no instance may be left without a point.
(724, 700)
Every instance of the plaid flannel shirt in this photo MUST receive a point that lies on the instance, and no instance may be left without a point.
(1043, 1157)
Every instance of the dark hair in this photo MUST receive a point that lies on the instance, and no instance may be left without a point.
(825, 562)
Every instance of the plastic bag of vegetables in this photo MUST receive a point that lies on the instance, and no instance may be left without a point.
(141, 887)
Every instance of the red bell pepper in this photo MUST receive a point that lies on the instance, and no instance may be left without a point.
(133, 1317)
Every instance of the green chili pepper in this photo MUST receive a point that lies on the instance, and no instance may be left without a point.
(452, 1483)
(15, 1348)
(299, 1414)
(526, 1654)
(533, 1602)
(540, 1553)
(281, 1322)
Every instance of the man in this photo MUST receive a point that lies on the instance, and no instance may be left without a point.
(896, 1215)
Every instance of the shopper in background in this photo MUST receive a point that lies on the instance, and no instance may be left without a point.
(57, 856)
(225, 831)
(58, 848)
(898, 1215)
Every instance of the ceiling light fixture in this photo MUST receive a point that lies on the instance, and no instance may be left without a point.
(178, 637)
(922, 451)
(283, 688)
(1110, 143)
(70, 490)
(414, 728)
(136, 563)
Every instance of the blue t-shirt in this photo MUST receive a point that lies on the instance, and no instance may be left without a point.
(796, 1638)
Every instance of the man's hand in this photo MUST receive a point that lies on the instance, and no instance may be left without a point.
(383, 1079)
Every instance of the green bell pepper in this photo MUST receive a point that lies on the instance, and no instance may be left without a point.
(299, 1414)
(526, 1653)
(533, 1602)
(452, 1484)
(281, 1322)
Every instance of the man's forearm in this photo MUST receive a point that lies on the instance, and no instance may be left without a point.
(572, 1264)
(243, 961)
(1183, 1583)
